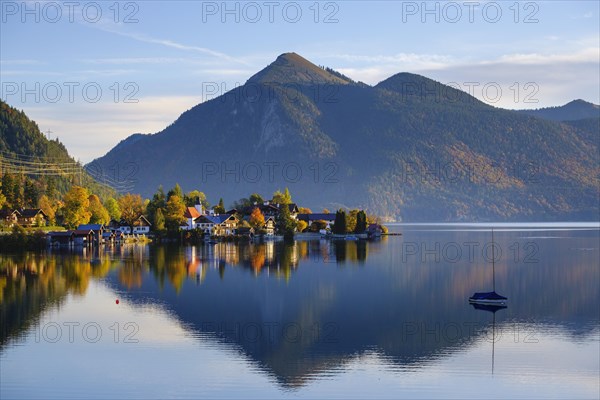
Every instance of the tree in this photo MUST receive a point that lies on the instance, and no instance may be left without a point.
(48, 208)
(302, 225)
(284, 222)
(190, 199)
(174, 213)
(351, 220)
(13, 190)
(241, 203)
(176, 191)
(257, 219)
(316, 226)
(99, 215)
(220, 209)
(339, 226)
(159, 200)
(31, 193)
(75, 209)
(304, 210)
(282, 198)
(112, 207)
(256, 198)
(326, 211)
(159, 220)
(287, 196)
(131, 206)
(361, 222)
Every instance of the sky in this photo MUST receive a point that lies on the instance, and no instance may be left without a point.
(94, 72)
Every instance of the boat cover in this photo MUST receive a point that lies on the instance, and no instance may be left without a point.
(487, 296)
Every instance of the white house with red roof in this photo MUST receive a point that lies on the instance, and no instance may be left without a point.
(191, 214)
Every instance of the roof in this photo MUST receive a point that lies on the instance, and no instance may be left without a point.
(61, 233)
(93, 227)
(81, 232)
(214, 219)
(143, 220)
(6, 213)
(31, 212)
(191, 212)
(316, 217)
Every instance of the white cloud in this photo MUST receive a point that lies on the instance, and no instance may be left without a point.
(585, 55)
(172, 44)
(560, 77)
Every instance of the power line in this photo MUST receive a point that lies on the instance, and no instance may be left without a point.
(31, 165)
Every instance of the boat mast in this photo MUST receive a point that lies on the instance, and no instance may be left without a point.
(493, 262)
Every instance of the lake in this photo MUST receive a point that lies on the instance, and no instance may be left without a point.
(310, 319)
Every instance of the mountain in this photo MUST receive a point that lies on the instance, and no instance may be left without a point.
(32, 165)
(575, 110)
(409, 148)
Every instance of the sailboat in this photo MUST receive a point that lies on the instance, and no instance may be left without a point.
(492, 297)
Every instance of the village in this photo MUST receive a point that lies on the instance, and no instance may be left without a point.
(266, 221)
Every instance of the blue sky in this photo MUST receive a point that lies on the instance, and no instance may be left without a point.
(92, 73)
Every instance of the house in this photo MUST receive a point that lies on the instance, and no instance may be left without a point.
(108, 237)
(118, 236)
(118, 228)
(141, 226)
(217, 225)
(245, 231)
(83, 237)
(190, 215)
(374, 230)
(269, 226)
(10, 217)
(124, 227)
(32, 217)
(293, 210)
(329, 219)
(97, 229)
(62, 238)
(268, 209)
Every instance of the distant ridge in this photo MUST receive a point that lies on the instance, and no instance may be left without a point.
(572, 111)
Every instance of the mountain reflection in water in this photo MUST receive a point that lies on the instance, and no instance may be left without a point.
(300, 310)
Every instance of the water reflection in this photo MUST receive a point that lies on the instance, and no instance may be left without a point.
(302, 310)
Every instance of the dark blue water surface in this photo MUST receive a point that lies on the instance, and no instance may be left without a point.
(387, 318)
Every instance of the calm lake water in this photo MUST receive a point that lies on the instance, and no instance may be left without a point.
(384, 319)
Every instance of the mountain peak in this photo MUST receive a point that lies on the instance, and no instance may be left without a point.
(425, 89)
(291, 68)
(581, 103)
(573, 110)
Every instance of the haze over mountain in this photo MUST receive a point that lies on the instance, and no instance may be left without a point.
(408, 149)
